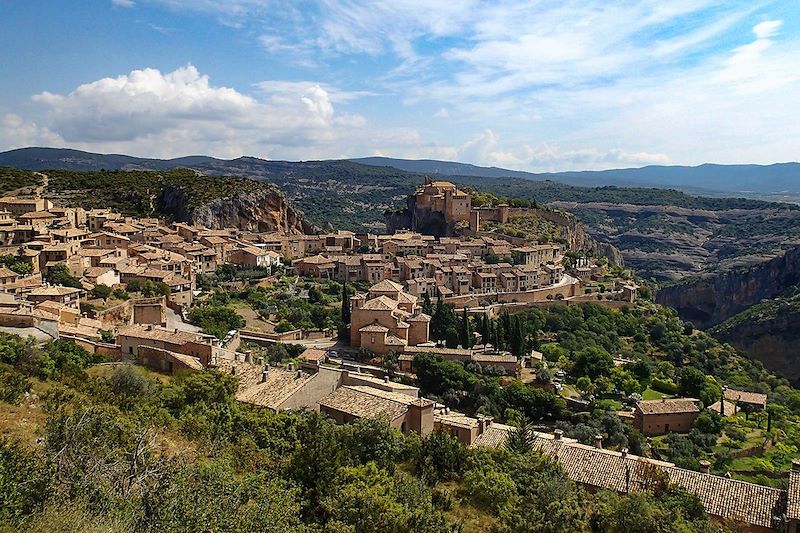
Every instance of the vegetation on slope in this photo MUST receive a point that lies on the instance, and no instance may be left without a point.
(614, 358)
(12, 179)
(142, 193)
(125, 450)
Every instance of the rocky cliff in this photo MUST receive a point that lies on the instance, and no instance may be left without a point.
(265, 209)
(578, 238)
(713, 299)
(768, 333)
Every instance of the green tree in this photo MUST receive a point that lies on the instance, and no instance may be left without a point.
(465, 335)
(60, 275)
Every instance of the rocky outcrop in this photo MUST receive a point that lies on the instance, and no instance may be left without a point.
(578, 238)
(711, 300)
(775, 341)
(263, 210)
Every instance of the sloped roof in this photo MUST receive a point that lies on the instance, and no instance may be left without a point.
(374, 328)
(597, 467)
(386, 285)
(667, 406)
(754, 398)
(381, 303)
(362, 402)
(279, 386)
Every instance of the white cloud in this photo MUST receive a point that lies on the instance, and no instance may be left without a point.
(123, 3)
(181, 112)
(442, 113)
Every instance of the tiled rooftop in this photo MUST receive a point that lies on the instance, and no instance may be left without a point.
(667, 406)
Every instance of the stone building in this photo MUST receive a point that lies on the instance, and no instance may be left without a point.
(446, 198)
(657, 417)
(404, 412)
(387, 319)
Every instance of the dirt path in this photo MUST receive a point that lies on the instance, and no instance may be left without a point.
(39, 191)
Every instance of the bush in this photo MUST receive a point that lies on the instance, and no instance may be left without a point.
(216, 319)
(284, 326)
(102, 291)
(13, 385)
(667, 386)
(489, 489)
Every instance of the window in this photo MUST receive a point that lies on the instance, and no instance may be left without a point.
(372, 339)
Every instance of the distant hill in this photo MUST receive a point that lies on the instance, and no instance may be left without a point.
(778, 181)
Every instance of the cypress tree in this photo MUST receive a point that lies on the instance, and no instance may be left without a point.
(466, 330)
(345, 305)
(427, 306)
(485, 328)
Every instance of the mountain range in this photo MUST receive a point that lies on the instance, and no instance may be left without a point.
(777, 182)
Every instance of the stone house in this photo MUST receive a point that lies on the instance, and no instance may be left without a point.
(658, 417)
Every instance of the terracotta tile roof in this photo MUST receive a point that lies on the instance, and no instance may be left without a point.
(381, 303)
(493, 358)
(158, 333)
(456, 419)
(730, 408)
(422, 317)
(374, 328)
(361, 403)
(312, 354)
(667, 406)
(392, 340)
(54, 291)
(793, 505)
(7, 273)
(278, 388)
(721, 496)
(755, 398)
(731, 498)
(386, 285)
(494, 436)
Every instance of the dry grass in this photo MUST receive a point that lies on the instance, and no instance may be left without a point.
(25, 421)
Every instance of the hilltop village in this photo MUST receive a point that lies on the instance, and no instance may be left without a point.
(149, 291)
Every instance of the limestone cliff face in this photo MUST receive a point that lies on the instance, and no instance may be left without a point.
(711, 300)
(573, 230)
(264, 210)
(774, 341)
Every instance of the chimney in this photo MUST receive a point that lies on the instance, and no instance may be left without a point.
(290, 366)
(705, 466)
(260, 361)
(481, 424)
(264, 375)
(489, 420)
(299, 374)
(624, 452)
(557, 434)
(235, 356)
(386, 379)
(176, 330)
(447, 410)
(233, 370)
(598, 441)
(248, 356)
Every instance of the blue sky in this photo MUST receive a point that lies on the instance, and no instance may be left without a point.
(547, 85)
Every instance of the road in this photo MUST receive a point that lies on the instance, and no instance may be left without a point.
(175, 321)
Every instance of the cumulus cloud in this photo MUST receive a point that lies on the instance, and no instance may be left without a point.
(182, 111)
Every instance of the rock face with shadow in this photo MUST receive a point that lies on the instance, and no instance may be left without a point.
(264, 210)
(712, 300)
